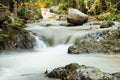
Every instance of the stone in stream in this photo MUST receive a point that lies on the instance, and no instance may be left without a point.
(101, 41)
(106, 24)
(76, 17)
(75, 71)
(117, 75)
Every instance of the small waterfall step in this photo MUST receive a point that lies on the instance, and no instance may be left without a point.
(39, 43)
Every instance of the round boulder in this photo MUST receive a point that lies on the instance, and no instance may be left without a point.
(76, 17)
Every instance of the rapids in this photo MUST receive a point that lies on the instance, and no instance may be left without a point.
(50, 51)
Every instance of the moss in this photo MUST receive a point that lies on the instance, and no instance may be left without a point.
(9, 29)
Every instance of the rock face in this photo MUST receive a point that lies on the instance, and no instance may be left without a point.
(76, 17)
(106, 41)
(75, 71)
(13, 36)
(106, 24)
(22, 40)
(92, 46)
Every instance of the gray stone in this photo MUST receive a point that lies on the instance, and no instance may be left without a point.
(75, 71)
(76, 17)
(106, 24)
(105, 41)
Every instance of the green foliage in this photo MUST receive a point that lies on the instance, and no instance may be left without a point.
(37, 12)
(64, 6)
(118, 17)
(82, 6)
(108, 17)
(91, 7)
(113, 10)
(3, 36)
(21, 12)
(0, 30)
(32, 1)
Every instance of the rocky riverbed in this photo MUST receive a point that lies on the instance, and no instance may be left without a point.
(99, 41)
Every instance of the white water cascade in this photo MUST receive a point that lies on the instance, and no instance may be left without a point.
(39, 43)
(52, 44)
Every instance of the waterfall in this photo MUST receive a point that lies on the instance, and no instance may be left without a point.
(31, 64)
(39, 43)
(54, 35)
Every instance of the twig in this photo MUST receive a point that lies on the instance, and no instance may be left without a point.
(116, 4)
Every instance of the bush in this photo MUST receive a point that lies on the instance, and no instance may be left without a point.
(21, 12)
(108, 17)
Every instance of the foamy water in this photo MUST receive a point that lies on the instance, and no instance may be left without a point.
(31, 65)
(50, 52)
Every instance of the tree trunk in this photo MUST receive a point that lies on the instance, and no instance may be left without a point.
(14, 7)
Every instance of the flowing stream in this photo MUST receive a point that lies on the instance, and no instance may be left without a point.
(50, 51)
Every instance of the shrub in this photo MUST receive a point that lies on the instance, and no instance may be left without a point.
(108, 17)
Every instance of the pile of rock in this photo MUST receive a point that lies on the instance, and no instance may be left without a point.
(75, 71)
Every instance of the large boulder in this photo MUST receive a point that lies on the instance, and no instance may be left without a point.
(103, 41)
(75, 71)
(76, 17)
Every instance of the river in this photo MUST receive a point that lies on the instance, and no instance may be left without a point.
(50, 51)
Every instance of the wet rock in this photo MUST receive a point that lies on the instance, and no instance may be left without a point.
(86, 46)
(114, 33)
(23, 40)
(75, 71)
(97, 42)
(106, 24)
(92, 46)
(14, 36)
(76, 17)
(117, 75)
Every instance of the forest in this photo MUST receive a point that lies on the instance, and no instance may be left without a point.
(104, 9)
